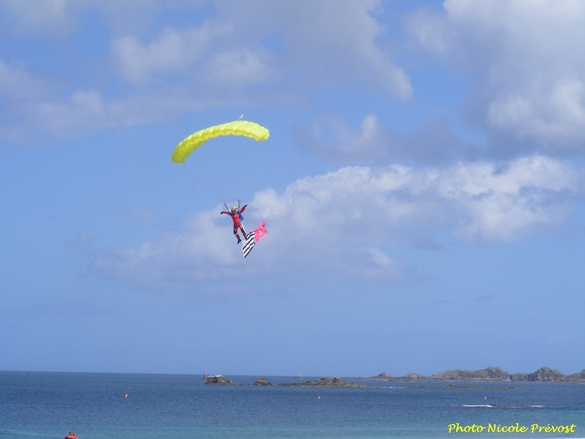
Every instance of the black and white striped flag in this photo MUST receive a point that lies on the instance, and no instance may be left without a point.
(251, 238)
(248, 244)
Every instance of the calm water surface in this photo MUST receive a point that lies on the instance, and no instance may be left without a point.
(48, 405)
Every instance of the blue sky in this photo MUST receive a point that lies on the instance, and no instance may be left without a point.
(422, 186)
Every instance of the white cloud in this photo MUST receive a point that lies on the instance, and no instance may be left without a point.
(343, 223)
(30, 100)
(33, 102)
(526, 61)
(504, 204)
(557, 115)
(238, 68)
(18, 84)
(173, 51)
(225, 58)
(485, 201)
(83, 241)
(325, 42)
(330, 138)
(60, 17)
(200, 252)
(32, 16)
(60, 117)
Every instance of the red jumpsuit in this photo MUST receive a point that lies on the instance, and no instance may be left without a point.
(237, 223)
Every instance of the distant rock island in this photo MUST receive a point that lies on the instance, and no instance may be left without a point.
(323, 382)
(218, 379)
(262, 381)
(487, 374)
(455, 387)
(544, 374)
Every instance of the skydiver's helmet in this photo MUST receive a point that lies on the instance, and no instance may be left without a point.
(234, 209)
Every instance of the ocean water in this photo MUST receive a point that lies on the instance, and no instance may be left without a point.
(136, 406)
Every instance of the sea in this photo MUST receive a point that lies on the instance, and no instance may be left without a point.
(144, 406)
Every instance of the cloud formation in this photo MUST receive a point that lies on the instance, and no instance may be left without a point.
(343, 223)
(324, 42)
(225, 60)
(58, 18)
(527, 66)
(433, 144)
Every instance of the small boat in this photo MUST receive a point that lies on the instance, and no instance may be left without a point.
(71, 436)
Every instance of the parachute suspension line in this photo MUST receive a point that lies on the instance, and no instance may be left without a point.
(212, 171)
(235, 128)
(246, 153)
(231, 181)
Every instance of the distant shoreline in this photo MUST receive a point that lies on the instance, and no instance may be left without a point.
(489, 374)
(493, 374)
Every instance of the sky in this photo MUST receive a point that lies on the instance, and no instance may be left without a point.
(423, 186)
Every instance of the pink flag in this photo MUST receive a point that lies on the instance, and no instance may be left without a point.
(251, 238)
(260, 231)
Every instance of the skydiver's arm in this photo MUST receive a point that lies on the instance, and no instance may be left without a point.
(224, 212)
(243, 208)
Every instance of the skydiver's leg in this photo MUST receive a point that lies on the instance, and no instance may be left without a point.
(243, 230)
(236, 233)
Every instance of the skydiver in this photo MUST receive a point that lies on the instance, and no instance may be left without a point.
(235, 213)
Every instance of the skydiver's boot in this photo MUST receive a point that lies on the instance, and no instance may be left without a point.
(239, 240)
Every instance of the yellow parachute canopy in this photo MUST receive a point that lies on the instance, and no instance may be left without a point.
(236, 128)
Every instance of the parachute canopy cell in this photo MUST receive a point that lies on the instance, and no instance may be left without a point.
(236, 128)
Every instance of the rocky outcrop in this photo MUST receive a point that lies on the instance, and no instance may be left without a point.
(487, 374)
(549, 374)
(386, 377)
(414, 377)
(262, 381)
(497, 374)
(219, 379)
(577, 376)
(323, 382)
(455, 387)
(542, 374)
(383, 376)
